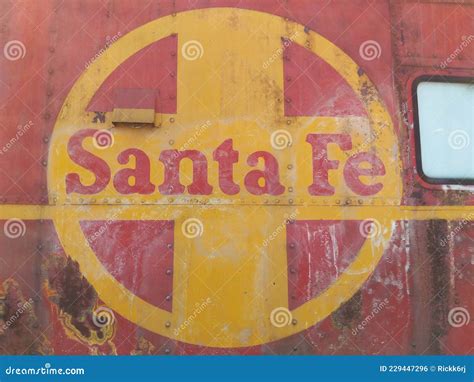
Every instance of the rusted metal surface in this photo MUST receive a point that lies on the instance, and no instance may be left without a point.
(49, 299)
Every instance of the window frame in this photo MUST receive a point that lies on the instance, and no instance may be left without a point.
(417, 133)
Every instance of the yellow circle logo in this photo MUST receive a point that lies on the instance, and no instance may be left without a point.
(229, 169)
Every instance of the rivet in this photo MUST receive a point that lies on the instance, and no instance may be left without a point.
(292, 245)
(171, 120)
(291, 221)
(288, 121)
(167, 351)
(290, 189)
(118, 201)
(51, 49)
(295, 349)
(49, 93)
(168, 298)
(168, 271)
(294, 321)
(50, 71)
(288, 100)
(172, 96)
(293, 297)
(44, 163)
(172, 74)
(167, 324)
(46, 139)
(173, 54)
(292, 270)
(39, 247)
(290, 166)
(170, 245)
(46, 116)
(288, 78)
(290, 201)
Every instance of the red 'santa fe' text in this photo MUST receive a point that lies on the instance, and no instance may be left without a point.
(262, 178)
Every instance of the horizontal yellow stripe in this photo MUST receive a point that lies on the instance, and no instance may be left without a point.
(151, 212)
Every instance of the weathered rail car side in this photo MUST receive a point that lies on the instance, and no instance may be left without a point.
(232, 177)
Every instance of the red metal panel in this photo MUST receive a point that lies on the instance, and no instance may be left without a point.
(154, 69)
(317, 252)
(309, 80)
(138, 254)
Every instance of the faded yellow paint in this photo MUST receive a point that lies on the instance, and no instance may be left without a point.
(229, 91)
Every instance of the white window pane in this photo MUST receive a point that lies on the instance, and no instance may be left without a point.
(446, 123)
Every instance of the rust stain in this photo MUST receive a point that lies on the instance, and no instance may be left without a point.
(76, 302)
(19, 328)
(440, 276)
(430, 277)
(349, 312)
